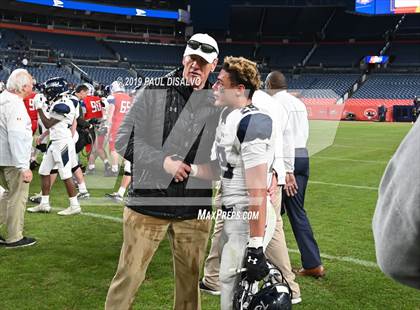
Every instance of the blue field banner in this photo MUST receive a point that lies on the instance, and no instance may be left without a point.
(103, 8)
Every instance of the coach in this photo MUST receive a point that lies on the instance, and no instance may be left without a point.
(297, 180)
(170, 125)
(15, 146)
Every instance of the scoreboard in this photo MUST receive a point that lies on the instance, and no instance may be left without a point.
(376, 7)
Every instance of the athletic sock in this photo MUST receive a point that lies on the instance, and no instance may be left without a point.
(74, 202)
(121, 191)
(45, 199)
(82, 188)
(90, 167)
(106, 161)
(114, 168)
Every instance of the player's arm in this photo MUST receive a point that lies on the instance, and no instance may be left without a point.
(254, 134)
(111, 109)
(48, 122)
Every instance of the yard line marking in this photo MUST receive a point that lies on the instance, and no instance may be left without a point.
(352, 160)
(97, 215)
(326, 256)
(367, 148)
(345, 185)
(344, 259)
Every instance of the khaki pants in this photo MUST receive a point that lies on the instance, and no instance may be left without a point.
(276, 252)
(12, 204)
(142, 236)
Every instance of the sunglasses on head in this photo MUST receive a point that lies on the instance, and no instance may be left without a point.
(206, 48)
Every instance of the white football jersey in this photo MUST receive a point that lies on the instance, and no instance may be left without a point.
(62, 109)
(244, 139)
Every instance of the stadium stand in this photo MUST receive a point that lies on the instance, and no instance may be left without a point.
(149, 53)
(343, 54)
(43, 72)
(105, 75)
(285, 55)
(71, 46)
(390, 86)
(331, 85)
(345, 25)
(406, 54)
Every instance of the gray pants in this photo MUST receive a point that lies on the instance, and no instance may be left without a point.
(233, 243)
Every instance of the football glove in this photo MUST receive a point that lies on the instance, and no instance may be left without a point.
(39, 101)
(255, 264)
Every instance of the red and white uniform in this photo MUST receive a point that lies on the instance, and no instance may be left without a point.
(92, 108)
(122, 104)
(30, 108)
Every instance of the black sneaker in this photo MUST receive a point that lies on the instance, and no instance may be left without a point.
(2, 241)
(204, 288)
(24, 242)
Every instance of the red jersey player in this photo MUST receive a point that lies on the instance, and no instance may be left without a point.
(33, 115)
(119, 104)
(93, 109)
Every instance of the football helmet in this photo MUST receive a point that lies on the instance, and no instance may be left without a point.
(54, 87)
(274, 293)
(116, 87)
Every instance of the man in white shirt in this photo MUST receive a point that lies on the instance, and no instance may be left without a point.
(15, 146)
(297, 179)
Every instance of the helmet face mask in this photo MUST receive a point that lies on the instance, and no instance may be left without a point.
(274, 293)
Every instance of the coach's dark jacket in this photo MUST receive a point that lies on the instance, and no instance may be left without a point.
(167, 119)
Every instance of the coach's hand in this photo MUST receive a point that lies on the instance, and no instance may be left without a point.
(178, 169)
(255, 264)
(291, 186)
(39, 101)
(27, 175)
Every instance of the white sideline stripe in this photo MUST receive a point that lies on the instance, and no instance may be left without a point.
(352, 160)
(345, 185)
(326, 256)
(344, 259)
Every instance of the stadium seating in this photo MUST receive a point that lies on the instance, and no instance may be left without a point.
(46, 71)
(106, 76)
(322, 85)
(406, 54)
(343, 54)
(345, 25)
(390, 86)
(8, 37)
(70, 46)
(285, 55)
(149, 53)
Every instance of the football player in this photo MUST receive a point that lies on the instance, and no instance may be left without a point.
(244, 148)
(61, 153)
(93, 109)
(119, 104)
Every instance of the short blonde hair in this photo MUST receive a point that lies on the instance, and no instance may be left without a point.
(18, 79)
(243, 71)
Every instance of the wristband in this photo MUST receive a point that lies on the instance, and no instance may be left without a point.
(255, 242)
(194, 170)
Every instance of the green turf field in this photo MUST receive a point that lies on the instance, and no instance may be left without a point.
(76, 257)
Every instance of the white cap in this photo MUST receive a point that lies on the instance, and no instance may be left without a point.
(203, 38)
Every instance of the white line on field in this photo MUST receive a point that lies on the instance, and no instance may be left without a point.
(344, 259)
(352, 160)
(326, 256)
(345, 185)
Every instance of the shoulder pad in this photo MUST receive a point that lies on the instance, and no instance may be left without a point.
(254, 126)
(61, 108)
